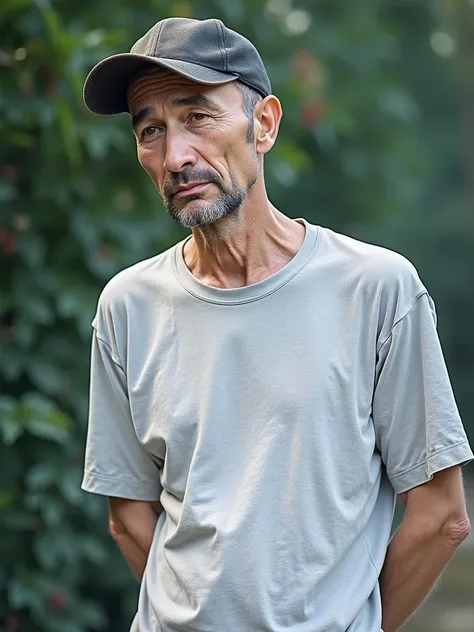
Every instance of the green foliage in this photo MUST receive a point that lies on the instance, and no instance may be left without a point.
(75, 208)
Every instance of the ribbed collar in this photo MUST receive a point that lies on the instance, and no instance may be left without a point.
(248, 293)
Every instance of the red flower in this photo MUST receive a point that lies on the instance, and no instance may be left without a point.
(9, 172)
(12, 622)
(57, 601)
(312, 112)
(7, 241)
(105, 253)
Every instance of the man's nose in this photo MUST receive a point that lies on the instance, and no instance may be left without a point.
(179, 154)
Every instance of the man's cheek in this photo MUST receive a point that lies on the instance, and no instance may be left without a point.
(151, 171)
(147, 161)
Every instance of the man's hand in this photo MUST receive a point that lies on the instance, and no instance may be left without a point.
(434, 524)
(132, 524)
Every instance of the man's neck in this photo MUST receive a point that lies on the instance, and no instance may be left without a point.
(244, 253)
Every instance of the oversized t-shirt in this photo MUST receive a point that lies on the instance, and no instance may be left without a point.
(275, 423)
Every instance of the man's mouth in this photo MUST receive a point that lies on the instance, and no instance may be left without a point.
(191, 189)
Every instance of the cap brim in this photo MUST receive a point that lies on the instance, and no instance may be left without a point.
(105, 89)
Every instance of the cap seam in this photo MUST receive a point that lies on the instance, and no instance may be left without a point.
(224, 64)
(158, 33)
(225, 46)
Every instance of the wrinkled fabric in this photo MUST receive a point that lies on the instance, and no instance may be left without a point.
(275, 423)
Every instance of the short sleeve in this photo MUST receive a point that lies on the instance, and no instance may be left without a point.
(418, 428)
(116, 464)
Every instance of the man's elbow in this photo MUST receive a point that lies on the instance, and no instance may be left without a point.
(456, 529)
(116, 529)
(133, 520)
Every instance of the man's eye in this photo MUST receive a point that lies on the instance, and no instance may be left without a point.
(199, 116)
(150, 130)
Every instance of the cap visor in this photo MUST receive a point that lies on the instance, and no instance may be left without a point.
(105, 89)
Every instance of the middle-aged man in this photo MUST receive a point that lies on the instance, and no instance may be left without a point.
(262, 390)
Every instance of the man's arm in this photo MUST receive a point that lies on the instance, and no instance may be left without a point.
(132, 525)
(434, 524)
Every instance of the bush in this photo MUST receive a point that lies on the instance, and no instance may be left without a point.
(75, 208)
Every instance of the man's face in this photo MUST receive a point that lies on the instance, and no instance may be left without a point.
(192, 141)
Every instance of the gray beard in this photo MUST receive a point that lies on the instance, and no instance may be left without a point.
(227, 204)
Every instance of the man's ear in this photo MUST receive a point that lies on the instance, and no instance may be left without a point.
(268, 114)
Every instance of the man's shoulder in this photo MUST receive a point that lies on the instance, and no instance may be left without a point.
(135, 283)
(371, 264)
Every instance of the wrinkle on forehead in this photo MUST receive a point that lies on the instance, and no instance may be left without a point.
(157, 82)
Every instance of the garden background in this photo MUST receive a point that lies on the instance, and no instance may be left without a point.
(377, 142)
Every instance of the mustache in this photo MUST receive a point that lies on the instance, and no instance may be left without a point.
(190, 175)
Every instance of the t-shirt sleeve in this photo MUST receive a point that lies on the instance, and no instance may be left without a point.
(418, 428)
(116, 464)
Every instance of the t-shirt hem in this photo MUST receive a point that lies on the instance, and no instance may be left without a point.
(120, 488)
(457, 454)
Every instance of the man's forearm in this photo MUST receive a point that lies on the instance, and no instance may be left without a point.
(132, 526)
(415, 560)
(135, 556)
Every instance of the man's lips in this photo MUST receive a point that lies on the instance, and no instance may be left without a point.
(191, 189)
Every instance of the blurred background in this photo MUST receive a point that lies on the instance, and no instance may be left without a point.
(377, 142)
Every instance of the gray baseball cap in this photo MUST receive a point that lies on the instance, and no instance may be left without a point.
(205, 51)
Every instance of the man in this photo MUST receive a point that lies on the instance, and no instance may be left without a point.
(262, 390)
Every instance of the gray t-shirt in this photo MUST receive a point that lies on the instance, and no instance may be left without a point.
(275, 422)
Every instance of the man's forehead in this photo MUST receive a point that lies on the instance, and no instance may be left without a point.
(167, 86)
(155, 73)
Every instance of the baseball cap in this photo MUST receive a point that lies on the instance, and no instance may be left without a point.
(205, 51)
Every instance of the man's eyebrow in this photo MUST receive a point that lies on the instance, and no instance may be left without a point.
(140, 115)
(198, 100)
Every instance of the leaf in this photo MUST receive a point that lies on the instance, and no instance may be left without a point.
(93, 38)
(40, 476)
(399, 105)
(7, 407)
(11, 430)
(52, 511)
(70, 486)
(19, 138)
(7, 192)
(18, 521)
(6, 500)
(10, 6)
(93, 549)
(93, 615)
(42, 419)
(46, 550)
(21, 595)
(69, 133)
(35, 403)
(25, 331)
(46, 376)
(32, 248)
(12, 369)
(46, 430)
(61, 624)
(291, 153)
(42, 312)
(11, 427)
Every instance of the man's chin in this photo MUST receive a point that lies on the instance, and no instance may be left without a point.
(194, 213)
(194, 205)
(176, 206)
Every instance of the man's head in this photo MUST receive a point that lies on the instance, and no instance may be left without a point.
(202, 111)
(211, 137)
